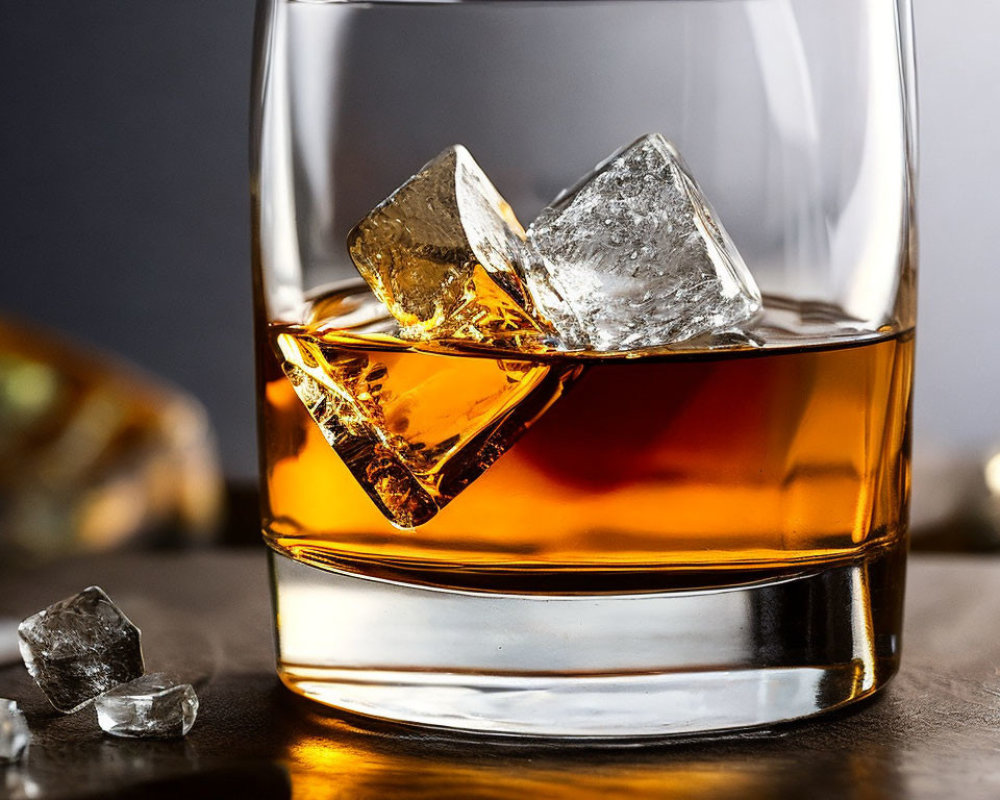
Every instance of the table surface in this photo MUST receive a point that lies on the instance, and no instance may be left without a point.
(933, 733)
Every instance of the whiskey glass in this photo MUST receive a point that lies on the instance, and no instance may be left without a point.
(701, 535)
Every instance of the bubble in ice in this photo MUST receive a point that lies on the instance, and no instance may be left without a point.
(14, 734)
(79, 648)
(634, 256)
(155, 706)
(443, 254)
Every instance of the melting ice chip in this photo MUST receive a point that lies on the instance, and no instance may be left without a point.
(443, 252)
(634, 256)
(14, 735)
(79, 648)
(155, 706)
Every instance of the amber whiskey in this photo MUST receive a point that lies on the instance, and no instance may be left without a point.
(536, 473)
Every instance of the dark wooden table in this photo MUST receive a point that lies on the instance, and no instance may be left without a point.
(934, 733)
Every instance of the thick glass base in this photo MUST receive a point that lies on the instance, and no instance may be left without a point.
(591, 666)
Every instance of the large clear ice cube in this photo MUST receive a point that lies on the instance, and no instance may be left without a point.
(416, 428)
(14, 734)
(79, 648)
(155, 706)
(634, 256)
(443, 253)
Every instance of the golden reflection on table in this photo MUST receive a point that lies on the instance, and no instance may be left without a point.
(331, 757)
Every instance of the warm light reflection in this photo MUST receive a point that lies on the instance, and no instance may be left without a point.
(321, 767)
(993, 474)
(334, 755)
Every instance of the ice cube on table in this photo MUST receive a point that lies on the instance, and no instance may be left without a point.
(14, 734)
(634, 256)
(79, 648)
(443, 253)
(155, 706)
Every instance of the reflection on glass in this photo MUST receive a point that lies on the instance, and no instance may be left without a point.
(329, 757)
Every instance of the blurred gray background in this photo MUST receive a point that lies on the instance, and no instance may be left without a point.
(124, 212)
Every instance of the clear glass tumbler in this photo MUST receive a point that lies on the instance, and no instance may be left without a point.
(636, 480)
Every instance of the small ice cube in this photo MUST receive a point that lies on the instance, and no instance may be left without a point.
(443, 254)
(14, 735)
(634, 256)
(79, 648)
(155, 706)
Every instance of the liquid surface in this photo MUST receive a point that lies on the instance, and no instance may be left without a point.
(755, 456)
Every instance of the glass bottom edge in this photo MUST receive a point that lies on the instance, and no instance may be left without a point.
(590, 667)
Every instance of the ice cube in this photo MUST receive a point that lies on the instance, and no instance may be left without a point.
(155, 706)
(634, 256)
(443, 253)
(14, 735)
(79, 648)
(416, 428)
